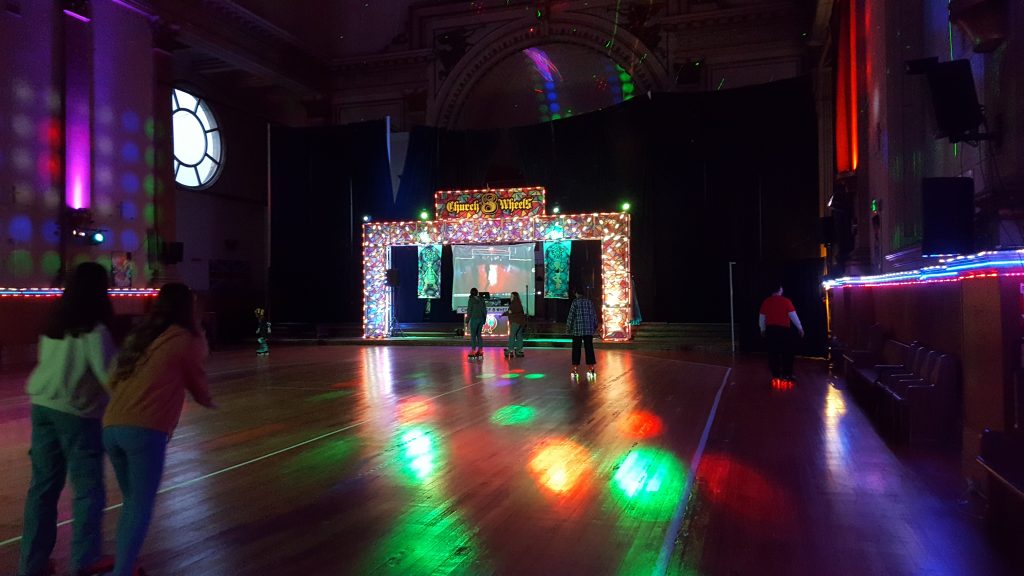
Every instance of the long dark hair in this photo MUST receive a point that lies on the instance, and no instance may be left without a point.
(173, 307)
(84, 304)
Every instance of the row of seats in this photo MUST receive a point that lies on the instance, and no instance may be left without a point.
(910, 391)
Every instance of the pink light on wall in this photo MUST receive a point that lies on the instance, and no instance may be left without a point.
(77, 111)
(78, 168)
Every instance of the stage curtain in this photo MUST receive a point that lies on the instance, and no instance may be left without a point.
(556, 269)
(428, 283)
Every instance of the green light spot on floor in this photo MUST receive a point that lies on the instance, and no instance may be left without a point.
(510, 375)
(648, 483)
(428, 538)
(329, 454)
(513, 415)
(419, 453)
(533, 376)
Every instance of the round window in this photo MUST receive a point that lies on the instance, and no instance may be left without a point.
(197, 145)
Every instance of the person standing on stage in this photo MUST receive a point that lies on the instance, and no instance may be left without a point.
(516, 325)
(476, 312)
(68, 398)
(776, 320)
(162, 359)
(581, 325)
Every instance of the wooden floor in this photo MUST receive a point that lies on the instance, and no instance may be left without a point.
(412, 460)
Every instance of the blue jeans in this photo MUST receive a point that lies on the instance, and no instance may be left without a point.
(515, 336)
(63, 445)
(138, 458)
(476, 326)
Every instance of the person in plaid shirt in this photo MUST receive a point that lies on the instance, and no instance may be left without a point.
(581, 325)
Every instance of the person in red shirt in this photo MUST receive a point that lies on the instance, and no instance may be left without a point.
(777, 319)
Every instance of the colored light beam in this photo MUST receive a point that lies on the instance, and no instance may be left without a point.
(640, 424)
(513, 415)
(559, 465)
(648, 483)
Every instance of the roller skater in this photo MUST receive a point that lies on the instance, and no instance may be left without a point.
(581, 325)
(476, 312)
(516, 326)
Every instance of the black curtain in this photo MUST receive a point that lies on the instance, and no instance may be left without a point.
(322, 182)
(713, 178)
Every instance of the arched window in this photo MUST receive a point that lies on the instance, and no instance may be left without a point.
(198, 152)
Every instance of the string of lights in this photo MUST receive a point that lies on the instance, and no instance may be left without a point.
(611, 229)
(954, 269)
(55, 292)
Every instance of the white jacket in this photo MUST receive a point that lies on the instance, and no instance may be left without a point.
(72, 373)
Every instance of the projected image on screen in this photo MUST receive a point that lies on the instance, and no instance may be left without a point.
(498, 269)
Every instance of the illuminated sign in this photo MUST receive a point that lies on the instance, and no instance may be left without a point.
(497, 203)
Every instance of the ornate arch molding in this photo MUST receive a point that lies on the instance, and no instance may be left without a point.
(579, 29)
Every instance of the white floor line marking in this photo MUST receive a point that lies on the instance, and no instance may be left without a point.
(669, 543)
(242, 464)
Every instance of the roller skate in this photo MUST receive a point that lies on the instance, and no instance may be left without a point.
(519, 353)
(574, 374)
(591, 373)
(509, 353)
(475, 355)
(262, 348)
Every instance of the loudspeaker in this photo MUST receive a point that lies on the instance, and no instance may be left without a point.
(954, 100)
(173, 252)
(391, 279)
(947, 206)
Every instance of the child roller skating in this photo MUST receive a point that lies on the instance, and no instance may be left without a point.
(476, 312)
(516, 326)
(581, 325)
(262, 331)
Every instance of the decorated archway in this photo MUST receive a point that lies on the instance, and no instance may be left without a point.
(499, 216)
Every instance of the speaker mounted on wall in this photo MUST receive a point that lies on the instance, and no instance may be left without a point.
(947, 207)
(958, 114)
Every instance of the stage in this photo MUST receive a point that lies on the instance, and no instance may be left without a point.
(377, 459)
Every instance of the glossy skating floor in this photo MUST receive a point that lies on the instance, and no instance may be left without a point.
(414, 460)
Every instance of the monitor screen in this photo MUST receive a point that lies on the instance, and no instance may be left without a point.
(496, 268)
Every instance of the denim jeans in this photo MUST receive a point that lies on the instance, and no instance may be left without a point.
(137, 455)
(515, 336)
(63, 445)
(476, 326)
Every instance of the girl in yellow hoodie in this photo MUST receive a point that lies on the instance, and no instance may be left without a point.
(162, 358)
